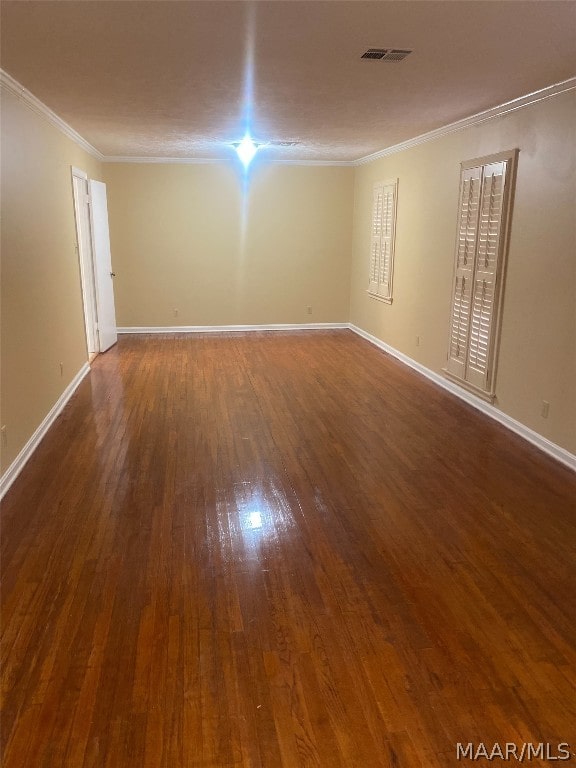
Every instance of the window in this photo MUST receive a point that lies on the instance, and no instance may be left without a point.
(483, 216)
(382, 244)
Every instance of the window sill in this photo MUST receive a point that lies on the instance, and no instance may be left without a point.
(385, 299)
(489, 397)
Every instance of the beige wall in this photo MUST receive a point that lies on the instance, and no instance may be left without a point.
(192, 238)
(42, 317)
(537, 358)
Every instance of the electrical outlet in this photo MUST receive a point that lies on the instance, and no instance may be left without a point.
(309, 310)
(4, 436)
(417, 341)
(61, 369)
(545, 409)
(175, 313)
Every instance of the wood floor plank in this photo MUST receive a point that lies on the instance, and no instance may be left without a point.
(274, 550)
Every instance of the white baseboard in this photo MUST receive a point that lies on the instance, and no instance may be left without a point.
(228, 328)
(558, 453)
(18, 464)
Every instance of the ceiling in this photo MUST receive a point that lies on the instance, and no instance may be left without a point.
(183, 79)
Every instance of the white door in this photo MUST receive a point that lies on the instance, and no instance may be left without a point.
(107, 333)
(84, 248)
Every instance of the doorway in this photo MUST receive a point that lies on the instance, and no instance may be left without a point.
(93, 247)
(86, 259)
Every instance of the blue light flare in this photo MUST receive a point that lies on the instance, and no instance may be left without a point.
(246, 150)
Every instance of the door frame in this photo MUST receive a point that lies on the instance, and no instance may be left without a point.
(84, 249)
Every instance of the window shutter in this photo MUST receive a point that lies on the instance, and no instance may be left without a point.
(376, 242)
(485, 277)
(464, 270)
(482, 234)
(384, 281)
(382, 242)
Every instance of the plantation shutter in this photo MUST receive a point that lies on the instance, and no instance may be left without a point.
(385, 278)
(464, 270)
(485, 276)
(382, 241)
(478, 271)
(376, 242)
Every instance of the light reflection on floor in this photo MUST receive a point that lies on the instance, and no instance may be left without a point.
(260, 520)
(254, 520)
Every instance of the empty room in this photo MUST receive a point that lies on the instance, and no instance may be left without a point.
(288, 383)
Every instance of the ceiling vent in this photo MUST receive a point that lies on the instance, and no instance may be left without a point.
(386, 54)
(283, 143)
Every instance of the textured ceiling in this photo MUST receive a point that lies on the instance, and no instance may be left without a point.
(179, 79)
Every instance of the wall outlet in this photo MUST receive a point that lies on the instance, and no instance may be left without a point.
(417, 341)
(309, 310)
(175, 313)
(545, 409)
(4, 436)
(61, 369)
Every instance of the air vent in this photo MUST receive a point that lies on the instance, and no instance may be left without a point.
(385, 54)
(283, 143)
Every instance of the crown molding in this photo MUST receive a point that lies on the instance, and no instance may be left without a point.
(12, 85)
(336, 163)
(468, 122)
(164, 160)
(216, 160)
(37, 106)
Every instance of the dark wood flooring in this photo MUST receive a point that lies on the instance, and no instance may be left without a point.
(278, 550)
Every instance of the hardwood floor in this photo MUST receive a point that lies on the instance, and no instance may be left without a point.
(278, 550)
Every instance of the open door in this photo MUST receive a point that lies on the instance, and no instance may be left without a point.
(103, 274)
(86, 259)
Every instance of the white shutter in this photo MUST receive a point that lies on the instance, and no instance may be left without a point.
(464, 270)
(479, 270)
(385, 277)
(382, 241)
(376, 240)
(485, 276)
